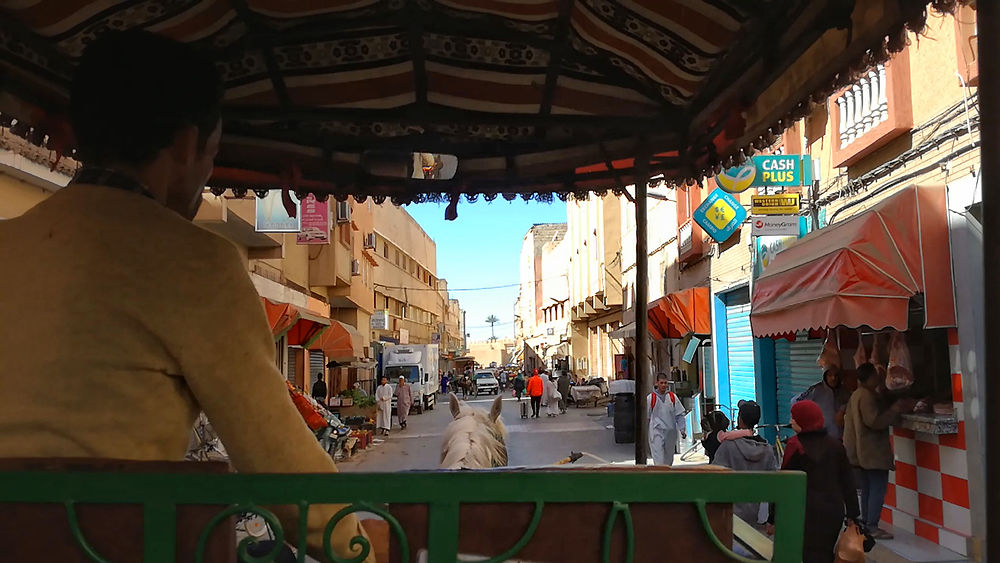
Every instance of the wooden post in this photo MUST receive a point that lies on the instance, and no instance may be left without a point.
(989, 102)
(642, 367)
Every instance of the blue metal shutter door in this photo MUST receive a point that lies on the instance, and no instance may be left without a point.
(797, 370)
(740, 340)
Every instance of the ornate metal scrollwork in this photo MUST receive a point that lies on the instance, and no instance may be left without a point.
(360, 541)
(245, 543)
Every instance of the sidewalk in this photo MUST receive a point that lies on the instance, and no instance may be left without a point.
(909, 548)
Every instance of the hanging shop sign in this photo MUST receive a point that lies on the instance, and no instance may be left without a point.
(771, 225)
(767, 170)
(720, 215)
(315, 227)
(380, 320)
(273, 217)
(779, 204)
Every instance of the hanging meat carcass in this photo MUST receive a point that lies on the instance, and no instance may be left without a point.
(899, 374)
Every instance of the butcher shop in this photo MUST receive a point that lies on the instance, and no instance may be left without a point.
(878, 288)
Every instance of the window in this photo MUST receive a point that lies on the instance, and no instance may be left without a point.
(873, 111)
(690, 239)
(385, 250)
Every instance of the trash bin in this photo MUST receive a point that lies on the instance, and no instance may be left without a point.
(624, 413)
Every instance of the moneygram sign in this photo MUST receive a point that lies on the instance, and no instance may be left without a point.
(767, 170)
(779, 225)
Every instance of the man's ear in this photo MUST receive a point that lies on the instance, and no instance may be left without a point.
(184, 149)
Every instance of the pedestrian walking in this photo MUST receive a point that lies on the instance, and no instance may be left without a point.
(666, 421)
(535, 389)
(519, 386)
(831, 397)
(383, 400)
(319, 389)
(866, 437)
(444, 384)
(749, 452)
(563, 386)
(404, 400)
(552, 396)
(830, 489)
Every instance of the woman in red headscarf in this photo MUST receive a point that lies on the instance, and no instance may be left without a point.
(830, 490)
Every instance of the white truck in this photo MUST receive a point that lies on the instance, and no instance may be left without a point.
(418, 363)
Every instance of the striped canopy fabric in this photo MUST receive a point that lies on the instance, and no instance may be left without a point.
(535, 97)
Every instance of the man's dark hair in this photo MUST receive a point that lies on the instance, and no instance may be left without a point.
(134, 91)
(319, 375)
(662, 375)
(866, 371)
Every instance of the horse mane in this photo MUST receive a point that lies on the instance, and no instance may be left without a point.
(473, 440)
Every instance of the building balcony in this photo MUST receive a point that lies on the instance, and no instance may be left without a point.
(873, 111)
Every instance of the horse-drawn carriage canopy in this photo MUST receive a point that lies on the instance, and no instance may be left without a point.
(532, 96)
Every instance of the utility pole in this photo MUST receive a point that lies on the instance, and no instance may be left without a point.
(465, 340)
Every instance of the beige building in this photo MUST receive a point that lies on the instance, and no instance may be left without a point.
(594, 231)
(487, 352)
(411, 302)
(542, 317)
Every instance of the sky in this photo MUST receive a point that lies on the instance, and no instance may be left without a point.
(482, 248)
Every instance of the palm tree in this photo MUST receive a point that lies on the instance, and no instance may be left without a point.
(492, 319)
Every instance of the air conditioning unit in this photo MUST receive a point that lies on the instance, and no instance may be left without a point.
(370, 240)
(343, 211)
(355, 268)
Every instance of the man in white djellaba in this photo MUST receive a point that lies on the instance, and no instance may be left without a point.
(383, 401)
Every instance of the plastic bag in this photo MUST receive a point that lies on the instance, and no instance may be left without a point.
(899, 374)
(850, 545)
(861, 354)
(830, 356)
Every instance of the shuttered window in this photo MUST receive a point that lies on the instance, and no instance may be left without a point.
(740, 350)
(797, 370)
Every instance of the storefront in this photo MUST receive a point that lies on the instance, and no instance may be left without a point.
(883, 280)
(342, 348)
(294, 331)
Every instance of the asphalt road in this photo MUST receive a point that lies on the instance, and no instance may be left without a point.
(531, 442)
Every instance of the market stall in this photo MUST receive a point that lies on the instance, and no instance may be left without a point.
(878, 288)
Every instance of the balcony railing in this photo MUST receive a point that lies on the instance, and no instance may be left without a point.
(863, 106)
(160, 496)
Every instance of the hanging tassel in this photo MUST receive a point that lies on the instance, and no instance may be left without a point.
(451, 212)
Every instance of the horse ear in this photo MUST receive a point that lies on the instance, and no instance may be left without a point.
(496, 408)
(453, 403)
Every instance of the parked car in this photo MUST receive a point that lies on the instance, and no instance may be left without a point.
(485, 382)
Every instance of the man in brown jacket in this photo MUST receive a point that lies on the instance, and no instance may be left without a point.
(866, 438)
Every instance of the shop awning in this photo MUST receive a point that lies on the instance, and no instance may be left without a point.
(680, 313)
(624, 331)
(863, 271)
(340, 343)
(300, 327)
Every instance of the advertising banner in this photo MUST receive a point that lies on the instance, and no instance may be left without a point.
(780, 204)
(720, 215)
(767, 170)
(272, 217)
(769, 225)
(315, 223)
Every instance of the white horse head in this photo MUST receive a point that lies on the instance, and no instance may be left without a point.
(475, 439)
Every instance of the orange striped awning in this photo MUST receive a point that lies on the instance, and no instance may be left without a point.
(300, 327)
(340, 343)
(681, 313)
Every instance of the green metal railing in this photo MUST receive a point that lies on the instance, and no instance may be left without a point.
(441, 492)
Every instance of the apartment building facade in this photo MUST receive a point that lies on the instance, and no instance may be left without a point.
(542, 315)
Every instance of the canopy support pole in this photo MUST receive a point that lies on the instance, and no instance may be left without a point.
(989, 102)
(642, 367)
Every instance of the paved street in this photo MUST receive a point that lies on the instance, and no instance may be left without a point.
(531, 442)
